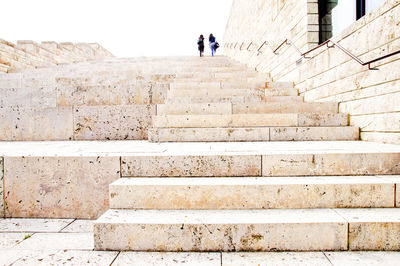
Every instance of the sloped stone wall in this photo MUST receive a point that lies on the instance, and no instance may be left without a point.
(371, 97)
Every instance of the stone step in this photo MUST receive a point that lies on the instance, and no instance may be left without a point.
(250, 120)
(4, 68)
(243, 81)
(189, 84)
(213, 75)
(273, 160)
(239, 108)
(234, 99)
(279, 84)
(218, 92)
(248, 230)
(253, 193)
(252, 134)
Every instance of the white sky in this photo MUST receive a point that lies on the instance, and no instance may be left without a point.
(124, 27)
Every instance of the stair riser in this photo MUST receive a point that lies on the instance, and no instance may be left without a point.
(221, 237)
(234, 99)
(255, 108)
(262, 165)
(254, 120)
(252, 134)
(260, 196)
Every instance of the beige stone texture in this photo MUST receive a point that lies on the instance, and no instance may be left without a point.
(191, 165)
(36, 123)
(79, 226)
(323, 119)
(313, 133)
(281, 92)
(274, 258)
(373, 258)
(1, 187)
(194, 109)
(218, 92)
(208, 134)
(244, 230)
(251, 193)
(112, 122)
(331, 164)
(285, 107)
(57, 241)
(58, 187)
(168, 259)
(57, 257)
(33, 225)
(373, 229)
(9, 240)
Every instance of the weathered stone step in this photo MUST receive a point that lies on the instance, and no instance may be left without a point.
(248, 230)
(221, 92)
(190, 84)
(240, 108)
(217, 75)
(273, 161)
(234, 99)
(251, 120)
(279, 84)
(4, 68)
(252, 134)
(253, 193)
(243, 81)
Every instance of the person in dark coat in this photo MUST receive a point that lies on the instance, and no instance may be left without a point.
(200, 43)
(211, 39)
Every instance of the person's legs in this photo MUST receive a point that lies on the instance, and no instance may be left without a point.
(212, 46)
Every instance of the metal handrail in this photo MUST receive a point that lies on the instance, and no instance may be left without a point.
(334, 44)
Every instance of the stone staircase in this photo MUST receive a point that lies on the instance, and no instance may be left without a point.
(219, 194)
(244, 106)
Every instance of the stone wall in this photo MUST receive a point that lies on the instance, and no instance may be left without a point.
(371, 97)
(30, 55)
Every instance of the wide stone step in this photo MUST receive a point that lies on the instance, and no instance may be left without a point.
(190, 84)
(273, 161)
(242, 80)
(217, 75)
(234, 99)
(250, 120)
(218, 92)
(253, 193)
(239, 108)
(279, 84)
(252, 134)
(248, 230)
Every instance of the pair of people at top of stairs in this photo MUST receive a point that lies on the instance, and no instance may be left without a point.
(213, 44)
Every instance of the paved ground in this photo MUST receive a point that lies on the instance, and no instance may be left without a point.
(70, 242)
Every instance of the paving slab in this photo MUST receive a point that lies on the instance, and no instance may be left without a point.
(79, 226)
(56, 257)
(9, 240)
(57, 241)
(1, 188)
(168, 259)
(371, 258)
(33, 225)
(274, 258)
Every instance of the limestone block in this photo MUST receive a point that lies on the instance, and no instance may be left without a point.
(313, 133)
(323, 119)
(373, 229)
(331, 164)
(216, 92)
(112, 122)
(208, 134)
(281, 92)
(279, 85)
(365, 258)
(36, 123)
(221, 230)
(195, 165)
(284, 107)
(58, 187)
(168, 258)
(36, 225)
(190, 85)
(1, 188)
(236, 120)
(192, 109)
(251, 193)
(79, 226)
(42, 96)
(275, 258)
(57, 241)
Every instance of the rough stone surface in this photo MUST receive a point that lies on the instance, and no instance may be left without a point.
(224, 165)
(79, 226)
(251, 193)
(57, 257)
(57, 241)
(363, 258)
(33, 225)
(275, 258)
(1, 188)
(373, 229)
(68, 187)
(9, 240)
(112, 122)
(168, 259)
(244, 230)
